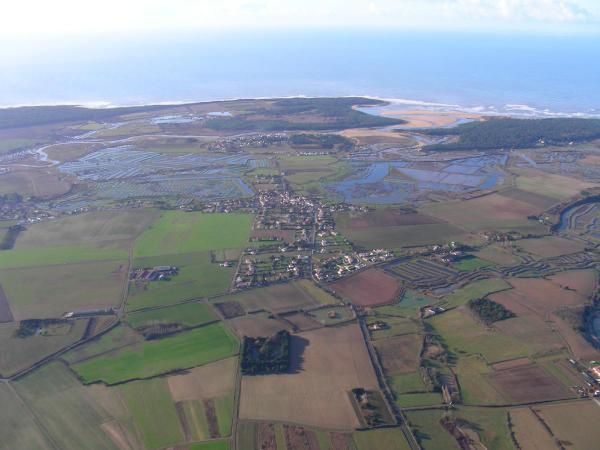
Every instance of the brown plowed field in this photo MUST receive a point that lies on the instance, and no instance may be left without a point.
(266, 436)
(371, 287)
(582, 281)
(399, 354)
(326, 364)
(528, 383)
(512, 364)
(299, 438)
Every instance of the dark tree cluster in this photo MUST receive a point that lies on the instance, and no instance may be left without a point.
(10, 238)
(327, 141)
(266, 355)
(31, 327)
(489, 311)
(516, 133)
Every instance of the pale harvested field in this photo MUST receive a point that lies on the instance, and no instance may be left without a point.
(583, 281)
(212, 380)
(327, 363)
(255, 325)
(574, 423)
(551, 185)
(590, 159)
(529, 432)
(533, 330)
(550, 246)
(498, 254)
(492, 211)
(543, 295)
(369, 136)
(578, 345)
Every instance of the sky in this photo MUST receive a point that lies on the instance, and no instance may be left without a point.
(80, 17)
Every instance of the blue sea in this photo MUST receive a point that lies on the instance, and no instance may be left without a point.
(519, 74)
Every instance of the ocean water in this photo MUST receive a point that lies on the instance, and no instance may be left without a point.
(520, 74)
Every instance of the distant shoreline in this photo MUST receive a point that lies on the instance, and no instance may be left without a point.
(512, 109)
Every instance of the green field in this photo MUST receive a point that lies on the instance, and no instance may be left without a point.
(69, 412)
(187, 314)
(48, 256)
(490, 424)
(181, 351)
(475, 290)
(279, 297)
(384, 439)
(475, 388)
(421, 399)
(20, 353)
(427, 429)
(153, 412)
(117, 337)
(408, 382)
(212, 445)
(181, 232)
(463, 334)
(197, 277)
(471, 263)
(44, 292)
(224, 410)
(18, 429)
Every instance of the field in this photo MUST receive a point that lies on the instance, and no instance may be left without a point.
(51, 256)
(18, 429)
(538, 296)
(385, 439)
(469, 264)
(41, 183)
(101, 230)
(529, 431)
(400, 354)
(209, 381)
(383, 217)
(187, 314)
(257, 325)
(494, 212)
(428, 430)
(370, 287)
(198, 277)
(556, 186)
(476, 290)
(397, 237)
(50, 291)
(528, 383)
(118, 337)
(582, 281)
(153, 412)
(181, 351)
(79, 424)
(550, 246)
(20, 353)
(278, 298)
(574, 424)
(326, 364)
(498, 254)
(462, 333)
(180, 232)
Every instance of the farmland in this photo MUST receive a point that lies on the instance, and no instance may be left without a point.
(374, 275)
(182, 351)
(178, 232)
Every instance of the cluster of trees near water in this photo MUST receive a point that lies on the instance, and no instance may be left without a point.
(327, 141)
(265, 355)
(508, 133)
(489, 311)
(338, 112)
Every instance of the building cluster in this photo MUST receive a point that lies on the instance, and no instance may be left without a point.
(448, 253)
(238, 143)
(344, 264)
(153, 273)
